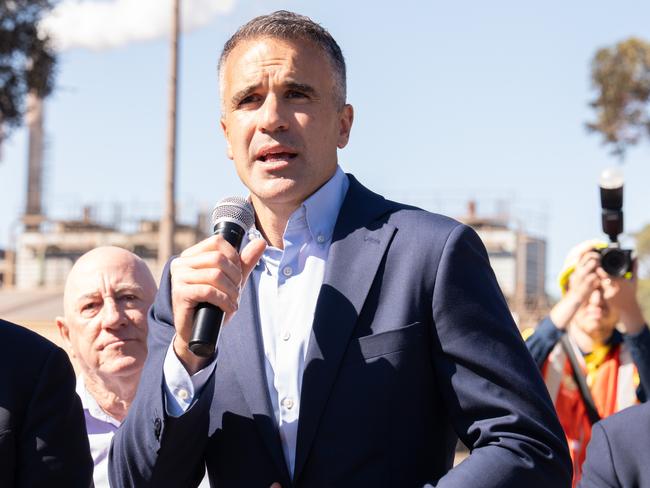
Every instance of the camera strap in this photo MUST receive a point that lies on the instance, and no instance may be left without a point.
(580, 380)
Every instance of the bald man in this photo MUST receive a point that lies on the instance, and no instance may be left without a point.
(104, 329)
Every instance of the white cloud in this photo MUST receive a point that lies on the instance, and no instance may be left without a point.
(101, 24)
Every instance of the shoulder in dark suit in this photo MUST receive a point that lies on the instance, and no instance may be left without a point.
(618, 455)
(43, 439)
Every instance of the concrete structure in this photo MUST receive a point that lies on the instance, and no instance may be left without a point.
(519, 262)
(44, 257)
(6, 267)
(32, 279)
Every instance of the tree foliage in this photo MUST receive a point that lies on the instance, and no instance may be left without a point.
(26, 58)
(621, 77)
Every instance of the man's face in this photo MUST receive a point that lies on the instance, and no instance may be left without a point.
(596, 317)
(281, 120)
(106, 301)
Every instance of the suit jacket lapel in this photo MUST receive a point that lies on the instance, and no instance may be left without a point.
(359, 243)
(248, 363)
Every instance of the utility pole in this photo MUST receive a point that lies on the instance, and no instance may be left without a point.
(168, 220)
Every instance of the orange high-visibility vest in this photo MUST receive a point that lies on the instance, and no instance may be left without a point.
(612, 387)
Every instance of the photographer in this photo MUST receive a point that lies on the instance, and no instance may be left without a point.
(612, 365)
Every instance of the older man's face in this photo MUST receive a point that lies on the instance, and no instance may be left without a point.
(107, 297)
(281, 119)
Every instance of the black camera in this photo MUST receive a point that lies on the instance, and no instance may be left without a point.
(614, 260)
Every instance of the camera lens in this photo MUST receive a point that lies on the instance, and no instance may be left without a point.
(614, 261)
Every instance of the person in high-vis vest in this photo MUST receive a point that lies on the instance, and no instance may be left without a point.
(609, 337)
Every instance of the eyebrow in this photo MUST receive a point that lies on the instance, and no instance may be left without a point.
(244, 92)
(308, 89)
(129, 288)
(89, 296)
(118, 290)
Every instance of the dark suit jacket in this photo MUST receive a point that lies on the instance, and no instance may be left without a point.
(43, 441)
(412, 345)
(618, 455)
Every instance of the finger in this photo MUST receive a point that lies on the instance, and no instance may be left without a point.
(592, 281)
(602, 274)
(212, 243)
(193, 294)
(212, 277)
(584, 275)
(589, 262)
(590, 255)
(610, 288)
(210, 260)
(276, 485)
(250, 256)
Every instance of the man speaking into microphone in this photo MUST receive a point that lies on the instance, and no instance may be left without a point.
(362, 337)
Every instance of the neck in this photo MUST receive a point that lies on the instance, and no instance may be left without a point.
(272, 221)
(587, 343)
(113, 396)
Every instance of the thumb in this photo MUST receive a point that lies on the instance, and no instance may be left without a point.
(250, 256)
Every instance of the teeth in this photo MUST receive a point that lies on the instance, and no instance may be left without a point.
(276, 156)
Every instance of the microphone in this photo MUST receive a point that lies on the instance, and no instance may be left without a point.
(232, 217)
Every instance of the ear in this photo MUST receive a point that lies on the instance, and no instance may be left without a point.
(64, 333)
(346, 118)
(224, 128)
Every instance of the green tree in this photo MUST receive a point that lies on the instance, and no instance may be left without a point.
(621, 77)
(26, 58)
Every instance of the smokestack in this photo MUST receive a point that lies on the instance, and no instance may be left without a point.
(471, 209)
(34, 118)
(168, 220)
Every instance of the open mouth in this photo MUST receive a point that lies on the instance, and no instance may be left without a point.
(279, 156)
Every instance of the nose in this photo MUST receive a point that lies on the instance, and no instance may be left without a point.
(271, 116)
(112, 316)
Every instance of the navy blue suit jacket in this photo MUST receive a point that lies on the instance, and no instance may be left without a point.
(412, 346)
(43, 439)
(618, 455)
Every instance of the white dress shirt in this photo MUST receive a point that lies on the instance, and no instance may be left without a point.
(288, 282)
(101, 427)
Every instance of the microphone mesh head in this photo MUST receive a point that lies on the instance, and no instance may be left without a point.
(234, 209)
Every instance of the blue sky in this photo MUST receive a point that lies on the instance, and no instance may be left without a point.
(453, 100)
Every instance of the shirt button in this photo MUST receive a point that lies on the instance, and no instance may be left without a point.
(183, 394)
(286, 335)
(287, 271)
(320, 238)
(287, 403)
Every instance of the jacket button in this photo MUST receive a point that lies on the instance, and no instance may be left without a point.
(157, 427)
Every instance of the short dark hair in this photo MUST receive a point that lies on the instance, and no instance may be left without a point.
(286, 25)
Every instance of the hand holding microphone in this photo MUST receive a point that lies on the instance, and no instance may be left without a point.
(206, 281)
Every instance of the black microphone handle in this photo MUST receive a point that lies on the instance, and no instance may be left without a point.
(208, 318)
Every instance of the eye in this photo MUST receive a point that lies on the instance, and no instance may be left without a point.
(90, 308)
(296, 95)
(129, 297)
(248, 100)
